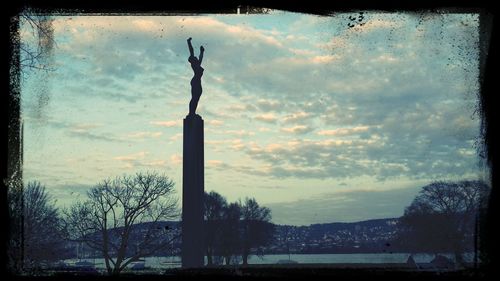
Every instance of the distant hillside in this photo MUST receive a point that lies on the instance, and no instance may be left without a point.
(356, 237)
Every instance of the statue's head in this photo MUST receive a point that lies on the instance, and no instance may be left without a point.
(193, 59)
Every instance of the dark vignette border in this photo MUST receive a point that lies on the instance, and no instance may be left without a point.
(11, 153)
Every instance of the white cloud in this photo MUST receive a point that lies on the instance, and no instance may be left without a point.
(301, 52)
(132, 161)
(299, 129)
(223, 145)
(156, 163)
(324, 59)
(343, 131)
(267, 117)
(268, 105)
(146, 25)
(132, 157)
(176, 137)
(84, 126)
(176, 159)
(167, 124)
(143, 135)
(215, 122)
(385, 58)
(239, 133)
(214, 163)
(297, 117)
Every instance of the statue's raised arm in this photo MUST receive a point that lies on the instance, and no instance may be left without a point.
(191, 51)
(202, 50)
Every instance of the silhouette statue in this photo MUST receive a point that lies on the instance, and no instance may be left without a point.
(196, 80)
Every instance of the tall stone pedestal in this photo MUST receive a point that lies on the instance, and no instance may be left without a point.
(193, 189)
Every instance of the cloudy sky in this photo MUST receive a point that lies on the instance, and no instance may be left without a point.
(321, 119)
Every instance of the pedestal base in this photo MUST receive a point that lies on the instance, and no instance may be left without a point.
(193, 190)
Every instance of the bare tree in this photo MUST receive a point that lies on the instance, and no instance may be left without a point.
(257, 229)
(230, 232)
(108, 220)
(42, 228)
(215, 205)
(443, 216)
(37, 41)
(15, 208)
(233, 230)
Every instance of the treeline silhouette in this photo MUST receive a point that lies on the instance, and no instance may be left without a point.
(235, 230)
(36, 229)
(105, 222)
(447, 217)
(128, 218)
(123, 220)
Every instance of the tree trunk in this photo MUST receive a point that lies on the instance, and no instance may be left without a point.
(459, 262)
(116, 271)
(458, 250)
(108, 265)
(209, 258)
(244, 256)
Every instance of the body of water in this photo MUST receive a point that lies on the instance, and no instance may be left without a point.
(374, 258)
